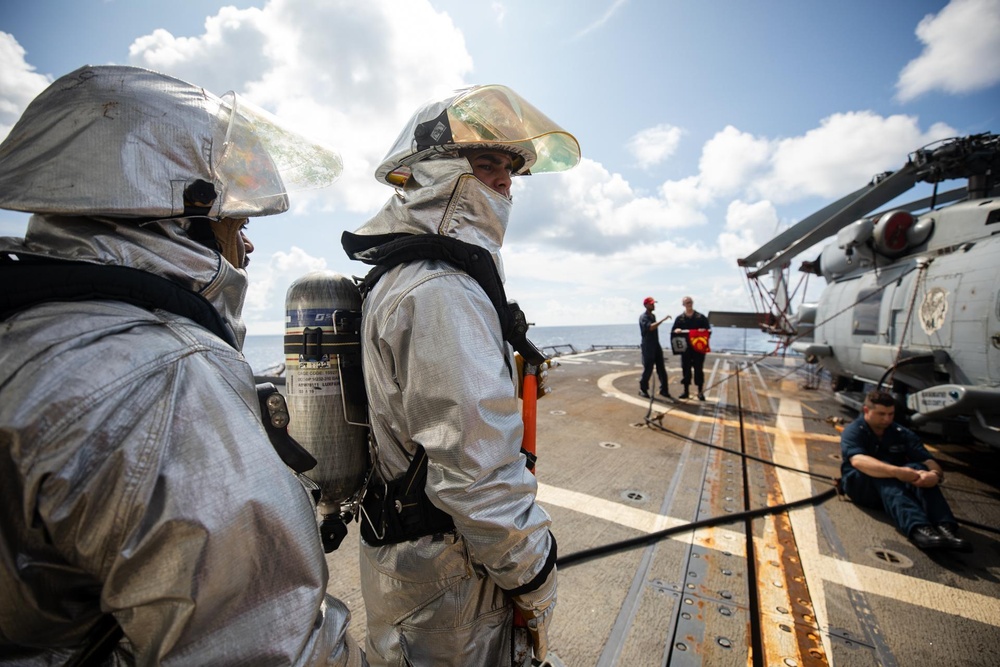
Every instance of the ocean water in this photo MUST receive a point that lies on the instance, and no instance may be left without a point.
(265, 351)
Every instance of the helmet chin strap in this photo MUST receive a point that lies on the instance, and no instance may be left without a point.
(227, 234)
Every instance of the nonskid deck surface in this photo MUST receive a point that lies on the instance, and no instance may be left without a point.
(826, 584)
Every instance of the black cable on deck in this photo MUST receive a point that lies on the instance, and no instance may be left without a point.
(572, 559)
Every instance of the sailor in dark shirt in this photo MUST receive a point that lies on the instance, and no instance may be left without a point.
(652, 351)
(886, 466)
(691, 360)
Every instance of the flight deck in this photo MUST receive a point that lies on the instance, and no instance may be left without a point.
(822, 582)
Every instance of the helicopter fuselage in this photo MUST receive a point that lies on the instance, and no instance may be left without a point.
(929, 318)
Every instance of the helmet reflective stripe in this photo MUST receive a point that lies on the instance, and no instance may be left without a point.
(482, 117)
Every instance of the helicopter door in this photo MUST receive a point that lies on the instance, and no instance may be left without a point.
(866, 312)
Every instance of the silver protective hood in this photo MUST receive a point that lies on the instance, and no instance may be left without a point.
(126, 142)
(160, 247)
(443, 197)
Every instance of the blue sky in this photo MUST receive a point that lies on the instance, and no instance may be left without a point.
(705, 126)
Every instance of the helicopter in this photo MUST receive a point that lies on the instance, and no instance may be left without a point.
(912, 296)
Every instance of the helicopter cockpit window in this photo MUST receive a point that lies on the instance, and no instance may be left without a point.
(866, 312)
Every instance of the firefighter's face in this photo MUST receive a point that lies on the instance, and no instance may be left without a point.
(493, 168)
(230, 233)
(247, 245)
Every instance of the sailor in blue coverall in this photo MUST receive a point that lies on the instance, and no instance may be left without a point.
(886, 466)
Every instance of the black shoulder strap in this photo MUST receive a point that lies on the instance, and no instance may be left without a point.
(389, 250)
(29, 281)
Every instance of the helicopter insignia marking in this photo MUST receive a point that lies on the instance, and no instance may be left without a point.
(933, 310)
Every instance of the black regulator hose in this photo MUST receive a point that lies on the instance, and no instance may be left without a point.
(572, 559)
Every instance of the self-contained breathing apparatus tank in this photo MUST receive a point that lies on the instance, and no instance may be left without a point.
(326, 394)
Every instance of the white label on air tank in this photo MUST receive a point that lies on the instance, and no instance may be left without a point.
(314, 383)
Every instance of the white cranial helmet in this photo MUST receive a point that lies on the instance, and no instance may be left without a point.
(481, 117)
(128, 142)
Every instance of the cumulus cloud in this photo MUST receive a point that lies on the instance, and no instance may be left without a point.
(346, 74)
(732, 158)
(748, 226)
(270, 278)
(827, 162)
(655, 144)
(592, 210)
(841, 155)
(237, 37)
(19, 83)
(615, 235)
(556, 286)
(960, 54)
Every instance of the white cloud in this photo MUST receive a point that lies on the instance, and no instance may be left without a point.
(340, 72)
(557, 286)
(591, 210)
(655, 144)
(19, 83)
(270, 278)
(961, 51)
(748, 226)
(237, 37)
(841, 155)
(730, 159)
(686, 200)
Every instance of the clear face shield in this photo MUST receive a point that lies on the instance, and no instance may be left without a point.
(261, 161)
(490, 116)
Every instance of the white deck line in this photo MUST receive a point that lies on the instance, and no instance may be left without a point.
(647, 522)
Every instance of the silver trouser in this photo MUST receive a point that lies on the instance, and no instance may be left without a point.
(435, 607)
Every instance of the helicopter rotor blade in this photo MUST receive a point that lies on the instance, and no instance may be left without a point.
(942, 198)
(800, 229)
(847, 210)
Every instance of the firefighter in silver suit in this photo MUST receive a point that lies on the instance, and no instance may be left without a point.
(440, 384)
(140, 490)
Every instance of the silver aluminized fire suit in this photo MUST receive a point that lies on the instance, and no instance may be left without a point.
(136, 478)
(435, 370)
